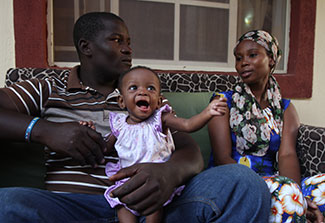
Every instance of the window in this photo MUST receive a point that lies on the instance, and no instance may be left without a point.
(174, 35)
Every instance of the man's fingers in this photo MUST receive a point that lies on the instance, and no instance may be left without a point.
(130, 186)
(147, 205)
(123, 173)
(87, 155)
(98, 139)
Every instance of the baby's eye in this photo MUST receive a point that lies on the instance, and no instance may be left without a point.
(151, 88)
(133, 87)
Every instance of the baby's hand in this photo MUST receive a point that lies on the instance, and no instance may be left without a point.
(218, 106)
(89, 124)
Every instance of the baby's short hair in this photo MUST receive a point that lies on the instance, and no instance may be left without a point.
(119, 86)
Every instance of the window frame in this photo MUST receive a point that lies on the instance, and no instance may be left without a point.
(176, 63)
(30, 25)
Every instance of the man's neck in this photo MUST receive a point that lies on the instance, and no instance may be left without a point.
(96, 80)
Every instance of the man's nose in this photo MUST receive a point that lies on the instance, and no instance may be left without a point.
(126, 49)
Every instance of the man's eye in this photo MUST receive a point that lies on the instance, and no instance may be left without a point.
(117, 40)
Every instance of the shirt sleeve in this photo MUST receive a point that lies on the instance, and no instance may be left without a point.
(29, 96)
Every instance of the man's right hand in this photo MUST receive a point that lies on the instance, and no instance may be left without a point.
(80, 142)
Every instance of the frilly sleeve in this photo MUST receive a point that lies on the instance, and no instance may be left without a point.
(116, 121)
(158, 122)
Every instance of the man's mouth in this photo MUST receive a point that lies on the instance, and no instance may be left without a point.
(127, 62)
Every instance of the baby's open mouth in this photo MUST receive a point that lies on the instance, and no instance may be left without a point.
(142, 104)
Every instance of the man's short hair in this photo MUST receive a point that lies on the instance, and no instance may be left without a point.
(89, 24)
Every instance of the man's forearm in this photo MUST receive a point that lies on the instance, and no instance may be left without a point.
(13, 125)
(187, 160)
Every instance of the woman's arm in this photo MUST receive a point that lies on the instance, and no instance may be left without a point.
(219, 132)
(288, 160)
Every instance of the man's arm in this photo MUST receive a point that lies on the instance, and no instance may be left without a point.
(79, 142)
(151, 184)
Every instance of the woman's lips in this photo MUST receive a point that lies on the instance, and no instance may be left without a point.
(246, 74)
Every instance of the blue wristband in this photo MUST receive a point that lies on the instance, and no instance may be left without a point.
(29, 128)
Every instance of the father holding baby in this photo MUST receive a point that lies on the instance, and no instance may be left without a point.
(48, 111)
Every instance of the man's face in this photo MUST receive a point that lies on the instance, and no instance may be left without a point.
(110, 50)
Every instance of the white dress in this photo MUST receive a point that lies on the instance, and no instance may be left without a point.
(138, 143)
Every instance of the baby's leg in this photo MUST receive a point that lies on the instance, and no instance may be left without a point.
(125, 216)
(155, 217)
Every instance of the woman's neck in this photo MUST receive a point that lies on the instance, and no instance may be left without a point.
(260, 93)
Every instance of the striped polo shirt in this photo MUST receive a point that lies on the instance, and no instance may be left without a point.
(62, 99)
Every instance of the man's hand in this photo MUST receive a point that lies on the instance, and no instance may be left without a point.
(80, 142)
(149, 187)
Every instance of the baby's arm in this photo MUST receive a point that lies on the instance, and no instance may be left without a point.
(216, 107)
(110, 139)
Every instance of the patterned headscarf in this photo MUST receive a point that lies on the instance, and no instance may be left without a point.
(247, 118)
(266, 40)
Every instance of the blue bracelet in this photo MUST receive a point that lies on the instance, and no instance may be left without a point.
(29, 128)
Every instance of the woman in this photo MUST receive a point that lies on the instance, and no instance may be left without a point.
(264, 129)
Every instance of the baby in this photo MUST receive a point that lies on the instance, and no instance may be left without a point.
(143, 134)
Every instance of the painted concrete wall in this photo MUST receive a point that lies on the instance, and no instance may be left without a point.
(7, 42)
(311, 111)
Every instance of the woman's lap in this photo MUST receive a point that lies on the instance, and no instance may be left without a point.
(288, 199)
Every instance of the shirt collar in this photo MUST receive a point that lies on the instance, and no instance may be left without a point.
(74, 82)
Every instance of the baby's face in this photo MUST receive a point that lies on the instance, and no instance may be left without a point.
(140, 94)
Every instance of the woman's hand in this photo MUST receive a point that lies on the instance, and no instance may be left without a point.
(313, 213)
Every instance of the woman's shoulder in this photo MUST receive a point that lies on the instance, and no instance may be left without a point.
(286, 103)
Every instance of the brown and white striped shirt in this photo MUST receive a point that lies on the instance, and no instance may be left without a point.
(62, 99)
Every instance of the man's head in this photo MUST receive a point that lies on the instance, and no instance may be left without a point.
(103, 44)
(88, 26)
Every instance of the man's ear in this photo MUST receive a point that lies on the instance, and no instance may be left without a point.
(120, 101)
(84, 47)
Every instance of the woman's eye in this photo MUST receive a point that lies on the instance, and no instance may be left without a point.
(253, 55)
(238, 58)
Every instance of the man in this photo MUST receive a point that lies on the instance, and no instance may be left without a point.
(76, 180)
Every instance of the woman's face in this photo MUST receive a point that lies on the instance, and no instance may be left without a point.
(140, 94)
(252, 62)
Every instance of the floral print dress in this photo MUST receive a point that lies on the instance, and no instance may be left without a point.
(288, 199)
